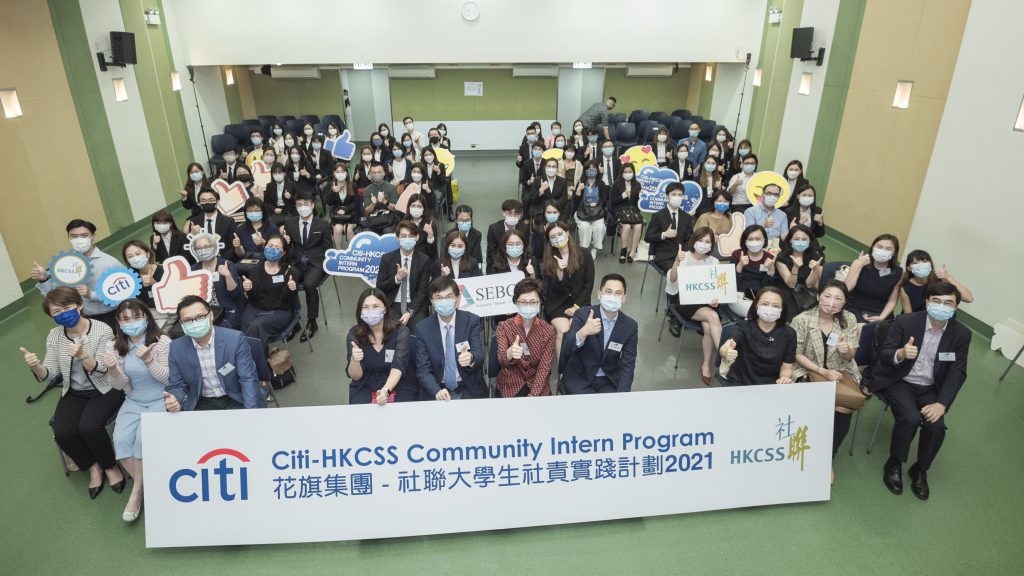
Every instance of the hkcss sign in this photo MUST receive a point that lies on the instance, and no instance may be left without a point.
(358, 472)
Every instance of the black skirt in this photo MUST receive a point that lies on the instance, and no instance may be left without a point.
(629, 215)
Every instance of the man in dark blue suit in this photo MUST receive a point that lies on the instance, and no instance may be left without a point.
(449, 350)
(599, 350)
(211, 368)
(919, 372)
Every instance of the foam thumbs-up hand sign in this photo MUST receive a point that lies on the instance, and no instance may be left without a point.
(515, 351)
(178, 281)
(728, 350)
(171, 403)
(465, 356)
(30, 358)
(909, 350)
(357, 353)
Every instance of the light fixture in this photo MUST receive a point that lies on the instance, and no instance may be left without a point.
(175, 81)
(774, 15)
(902, 98)
(152, 16)
(1018, 125)
(805, 84)
(582, 65)
(757, 76)
(9, 100)
(229, 76)
(708, 74)
(120, 92)
(362, 65)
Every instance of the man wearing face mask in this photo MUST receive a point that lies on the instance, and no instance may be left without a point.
(227, 171)
(81, 235)
(380, 200)
(255, 142)
(698, 149)
(766, 214)
(449, 350)
(419, 141)
(599, 350)
(526, 145)
(919, 372)
(532, 169)
(308, 239)
(210, 220)
(403, 276)
(610, 167)
(210, 368)
(669, 229)
(512, 217)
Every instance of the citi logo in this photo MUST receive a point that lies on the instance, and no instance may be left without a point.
(187, 484)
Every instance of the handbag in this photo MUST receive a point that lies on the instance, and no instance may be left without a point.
(842, 272)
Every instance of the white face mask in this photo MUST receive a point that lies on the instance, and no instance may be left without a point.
(416, 212)
(627, 176)
(662, 138)
(81, 245)
(511, 221)
(720, 138)
(754, 245)
(570, 155)
(304, 211)
(278, 177)
(428, 159)
(340, 175)
(308, 131)
(416, 177)
(702, 247)
(881, 255)
(295, 157)
(806, 201)
(289, 143)
(410, 126)
(551, 172)
(793, 174)
(162, 227)
(367, 157)
(769, 313)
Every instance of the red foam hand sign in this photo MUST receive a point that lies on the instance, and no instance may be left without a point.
(232, 196)
(180, 281)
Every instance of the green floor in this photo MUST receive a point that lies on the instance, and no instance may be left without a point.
(971, 525)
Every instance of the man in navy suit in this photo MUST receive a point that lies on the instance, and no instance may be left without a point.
(919, 372)
(211, 368)
(599, 350)
(449, 350)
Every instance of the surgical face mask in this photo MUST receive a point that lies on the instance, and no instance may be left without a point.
(749, 168)
(710, 166)
(627, 176)
(702, 247)
(443, 131)
(559, 144)
(372, 316)
(398, 153)
(921, 269)
(537, 153)
(755, 245)
(611, 303)
(511, 221)
(197, 328)
(514, 251)
(308, 131)
(407, 244)
(556, 131)
(528, 312)
(162, 227)
(68, 318)
(607, 151)
(257, 141)
(316, 145)
(592, 138)
(465, 227)
(410, 126)
(333, 131)
(272, 253)
(135, 328)
(800, 245)
(416, 212)
(721, 206)
(289, 143)
(377, 178)
(805, 201)
(770, 200)
(743, 151)
(793, 174)
(881, 255)
(278, 131)
(407, 143)
(577, 129)
(682, 153)
(206, 253)
(720, 138)
(560, 241)
(694, 133)
(769, 313)
(367, 157)
(138, 262)
(551, 216)
(230, 158)
(81, 245)
(456, 253)
(279, 177)
(416, 176)
(428, 158)
(304, 211)
(662, 138)
(551, 172)
(376, 141)
(195, 176)
(340, 176)
(254, 216)
(444, 308)
(569, 155)
(531, 138)
(675, 201)
(296, 158)
(208, 207)
(591, 173)
(940, 312)
(269, 159)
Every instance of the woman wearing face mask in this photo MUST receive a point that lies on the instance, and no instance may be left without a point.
(362, 177)
(698, 253)
(578, 138)
(922, 274)
(289, 140)
(342, 203)
(556, 130)
(143, 260)
(826, 343)
(167, 240)
(380, 357)
(724, 140)
(763, 348)
(251, 235)
(515, 255)
(526, 345)
(464, 223)
(306, 139)
(805, 211)
(446, 142)
(381, 153)
(738, 183)
(591, 149)
(874, 281)
(410, 150)
(799, 265)
(794, 174)
(399, 168)
(550, 212)
(227, 287)
(270, 289)
(424, 220)
(243, 175)
(662, 147)
(625, 196)
(570, 168)
(137, 361)
(568, 277)
(388, 140)
(436, 183)
(88, 399)
(454, 260)
(681, 164)
(742, 150)
(298, 169)
(276, 140)
(755, 267)
(321, 161)
(279, 195)
(590, 199)
(710, 181)
(195, 180)
(717, 216)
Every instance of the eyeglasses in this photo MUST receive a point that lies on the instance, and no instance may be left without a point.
(442, 297)
(194, 318)
(528, 302)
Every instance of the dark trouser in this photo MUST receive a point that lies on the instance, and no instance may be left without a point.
(219, 403)
(906, 401)
(600, 385)
(840, 428)
(396, 311)
(80, 426)
(264, 324)
(448, 198)
(311, 276)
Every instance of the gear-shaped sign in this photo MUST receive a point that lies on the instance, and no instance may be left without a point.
(117, 285)
(70, 269)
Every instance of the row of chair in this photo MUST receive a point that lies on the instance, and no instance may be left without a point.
(626, 134)
(236, 136)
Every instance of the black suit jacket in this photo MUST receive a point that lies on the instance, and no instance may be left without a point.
(948, 375)
(533, 200)
(270, 196)
(176, 248)
(579, 366)
(495, 249)
(473, 246)
(323, 166)
(665, 250)
(230, 170)
(527, 171)
(616, 168)
(317, 242)
(419, 278)
(223, 226)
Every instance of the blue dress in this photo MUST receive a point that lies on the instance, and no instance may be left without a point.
(147, 395)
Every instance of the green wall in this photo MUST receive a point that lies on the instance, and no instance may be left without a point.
(298, 97)
(663, 94)
(769, 100)
(505, 98)
(833, 95)
(233, 97)
(78, 55)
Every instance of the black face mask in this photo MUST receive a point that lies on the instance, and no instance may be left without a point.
(209, 207)
(435, 140)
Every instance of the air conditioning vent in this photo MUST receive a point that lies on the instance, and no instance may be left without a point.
(412, 72)
(650, 70)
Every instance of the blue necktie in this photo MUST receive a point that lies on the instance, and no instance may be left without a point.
(450, 365)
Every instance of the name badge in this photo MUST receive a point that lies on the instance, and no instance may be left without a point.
(762, 268)
(216, 276)
(226, 369)
(278, 279)
(526, 349)
(461, 345)
(615, 346)
(833, 339)
(884, 272)
(389, 355)
(947, 356)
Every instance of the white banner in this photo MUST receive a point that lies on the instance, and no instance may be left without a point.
(367, 471)
(489, 295)
(702, 284)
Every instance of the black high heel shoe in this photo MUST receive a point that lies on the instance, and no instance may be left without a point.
(95, 491)
(119, 487)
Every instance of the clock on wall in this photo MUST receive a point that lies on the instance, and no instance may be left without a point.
(470, 11)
